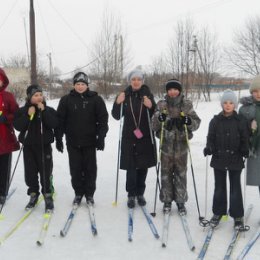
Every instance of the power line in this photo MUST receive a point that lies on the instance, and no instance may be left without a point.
(64, 20)
(5, 19)
(193, 12)
(44, 26)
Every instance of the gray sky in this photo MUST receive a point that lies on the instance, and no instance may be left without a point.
(67, 28)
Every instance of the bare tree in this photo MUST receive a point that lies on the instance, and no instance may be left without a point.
(157, 76)
(110, 54)
(207, 48)
(178, 54)
(244, 55)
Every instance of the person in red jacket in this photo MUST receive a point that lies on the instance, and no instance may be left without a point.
(8, 141)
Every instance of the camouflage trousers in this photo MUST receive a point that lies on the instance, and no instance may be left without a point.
(174, 175)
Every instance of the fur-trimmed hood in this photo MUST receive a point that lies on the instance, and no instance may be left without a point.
(246, 101)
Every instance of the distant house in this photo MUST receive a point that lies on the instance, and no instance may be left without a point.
(18, 75)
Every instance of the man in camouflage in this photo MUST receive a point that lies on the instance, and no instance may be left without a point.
(173, 114)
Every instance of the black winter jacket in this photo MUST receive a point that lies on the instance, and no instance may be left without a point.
(228, 140)
(83, 118)
(22, 123)
(136, 153)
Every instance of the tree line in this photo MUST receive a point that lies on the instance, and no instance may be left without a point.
(193, 55)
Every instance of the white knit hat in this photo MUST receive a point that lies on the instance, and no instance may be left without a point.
(229, 95)
(255, 84)
(135, 73)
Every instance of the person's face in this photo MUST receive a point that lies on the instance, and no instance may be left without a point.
(256, 94)
(228, 107)
(80, 87)
(37, 98)
(1, 83)
(173, 92)
(136, 83)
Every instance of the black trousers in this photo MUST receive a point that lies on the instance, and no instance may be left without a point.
(83, 169)
(5, 171)
(135, 181)
(33, 165)
(220, 194)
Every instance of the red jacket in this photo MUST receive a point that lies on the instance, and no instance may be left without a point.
(8, 106)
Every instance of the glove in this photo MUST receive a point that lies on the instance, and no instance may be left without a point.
(245, 154)
(207, 151)
(162, 117)
(100, 144)
(59, 145)
(185, 120)
(3, 119)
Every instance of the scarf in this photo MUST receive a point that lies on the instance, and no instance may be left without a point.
(255, 139)
(2, 126)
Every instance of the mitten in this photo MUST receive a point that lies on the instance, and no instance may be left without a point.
(162, 117)
(59, 145)
(186, 120)
(100, 144)
(3, 119)
(207, 151)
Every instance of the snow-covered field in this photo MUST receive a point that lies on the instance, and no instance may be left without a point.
(111, 242)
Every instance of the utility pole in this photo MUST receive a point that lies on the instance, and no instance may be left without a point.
(116, 61)
(121, 56)
(27, 45)
(33, 45)
(50, 74)
(194, 49)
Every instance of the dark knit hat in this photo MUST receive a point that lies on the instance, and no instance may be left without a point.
(173, 83)
(32, 89)
(80, 77)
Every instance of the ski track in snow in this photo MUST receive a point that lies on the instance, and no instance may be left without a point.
(111, 243)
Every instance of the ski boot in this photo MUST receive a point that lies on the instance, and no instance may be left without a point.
(33, 200)
(239, 223)
(90, 200)
(215, 220)
(141, 200)
(167, 207)
(2, 199)
(181, 208)
(77, 199)
(49, 206)
(131, 202)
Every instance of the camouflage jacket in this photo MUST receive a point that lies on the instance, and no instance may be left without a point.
(173, 129)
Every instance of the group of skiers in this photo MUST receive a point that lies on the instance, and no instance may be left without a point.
(83, 118)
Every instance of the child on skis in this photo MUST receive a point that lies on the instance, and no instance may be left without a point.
(36, 122)
(8, 141)
(137, 150)
(84, 121)
(250, 109)
(227, 142)
(173, 114)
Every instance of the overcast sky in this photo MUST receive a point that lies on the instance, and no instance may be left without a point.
(67, 28)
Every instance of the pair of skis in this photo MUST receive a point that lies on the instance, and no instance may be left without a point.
(148, 219)
(249, 245)
(231, 246)
(19, 222)
(166, 222)
(71, 216)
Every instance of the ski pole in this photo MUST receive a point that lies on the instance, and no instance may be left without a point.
(158, 166)
(206, 186)
(43, 154)
(203, 222)
(16, 163)
(118, 153)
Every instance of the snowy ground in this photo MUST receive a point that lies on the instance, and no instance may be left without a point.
(111, 242)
